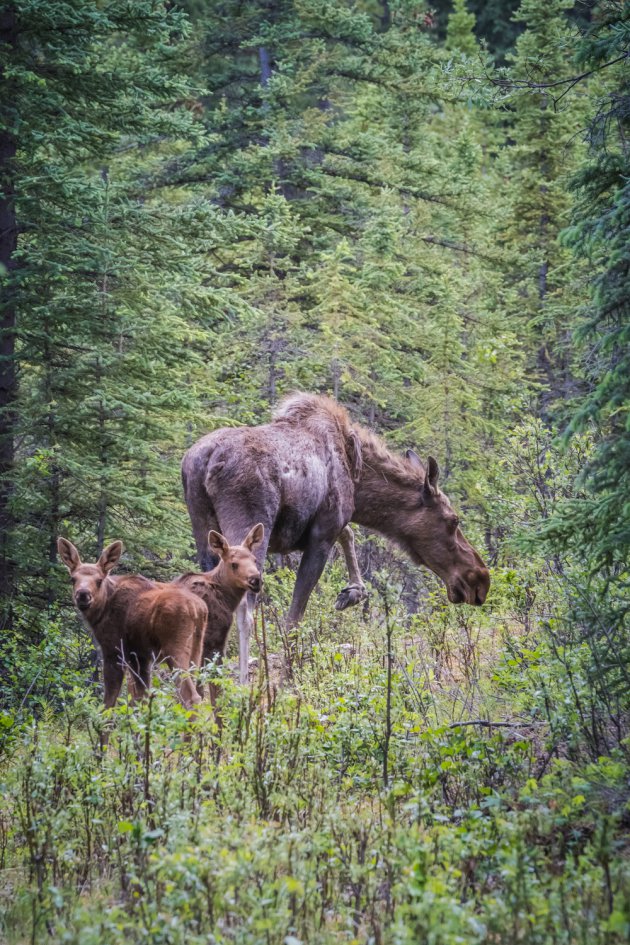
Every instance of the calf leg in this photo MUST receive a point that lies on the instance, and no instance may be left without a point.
(355, 591)
(196, 650)
(138, 676)
(180, 658)
(196, 653)
(113, 675)
(216, 659)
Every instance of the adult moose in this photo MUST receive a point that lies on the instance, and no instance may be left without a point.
(305, 476)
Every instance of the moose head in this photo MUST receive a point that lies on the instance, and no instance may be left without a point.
(433, 538)
(238, 562)
(89, 590)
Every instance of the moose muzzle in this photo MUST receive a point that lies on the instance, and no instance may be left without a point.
(83, 599)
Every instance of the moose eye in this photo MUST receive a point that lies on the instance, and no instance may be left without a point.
(454, 523)
(235, 566)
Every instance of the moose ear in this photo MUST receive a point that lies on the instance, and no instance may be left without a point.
(431, 478)
(433, 472)
(415, 460)
(110, 557)
(68, 554)
(217, 543)
(255, 537)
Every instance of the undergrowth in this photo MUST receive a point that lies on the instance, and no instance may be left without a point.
(454, 803)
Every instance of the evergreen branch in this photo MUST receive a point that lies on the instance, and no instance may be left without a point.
(483, 723)
(406, 191)
(458, 248)
(520, 84)
(570, 81)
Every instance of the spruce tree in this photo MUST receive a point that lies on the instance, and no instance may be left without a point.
(595, 528)
(96, 282)
(331, 123)
(460, 34)
(545, 131)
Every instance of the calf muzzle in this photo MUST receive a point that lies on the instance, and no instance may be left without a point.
(83, 599)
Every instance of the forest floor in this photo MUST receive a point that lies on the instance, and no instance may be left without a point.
(445, 806)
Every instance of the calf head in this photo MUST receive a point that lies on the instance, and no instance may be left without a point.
(434, 539)
(239, 565)
(88, 580)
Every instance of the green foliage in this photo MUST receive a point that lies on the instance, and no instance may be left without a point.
(108, 283)
(597, 527)
(460, 30)
(278, 825)
(545, 130)
(362, 181)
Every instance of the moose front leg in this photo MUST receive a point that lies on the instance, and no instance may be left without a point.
(311, 567)
(355, 592)
(312, 564)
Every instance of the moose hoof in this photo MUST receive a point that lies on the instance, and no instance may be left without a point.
(349, 596)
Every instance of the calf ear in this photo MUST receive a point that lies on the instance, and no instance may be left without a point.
(68, 554)
(255, 537)
(110, 557)
(217, 543)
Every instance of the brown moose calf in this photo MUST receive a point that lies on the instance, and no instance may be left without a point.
(136, 622)
(223, 588)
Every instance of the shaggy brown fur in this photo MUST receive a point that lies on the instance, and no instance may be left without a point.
(305, 476)
(223, 588)
(136, 622)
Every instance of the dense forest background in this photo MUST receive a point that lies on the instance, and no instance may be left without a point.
(424, 211)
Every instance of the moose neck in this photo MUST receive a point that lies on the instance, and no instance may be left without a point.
(387, 491)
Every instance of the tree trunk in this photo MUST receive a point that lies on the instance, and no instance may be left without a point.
(8, 375)
(265, 66)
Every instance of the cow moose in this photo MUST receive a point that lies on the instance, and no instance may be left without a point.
(136, 622)
(223, 588)
(306, 475)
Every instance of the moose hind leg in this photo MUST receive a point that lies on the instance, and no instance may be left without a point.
(236, 528)
(245, 624)
(202, 520)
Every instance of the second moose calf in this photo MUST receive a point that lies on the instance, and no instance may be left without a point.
(223, 588)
